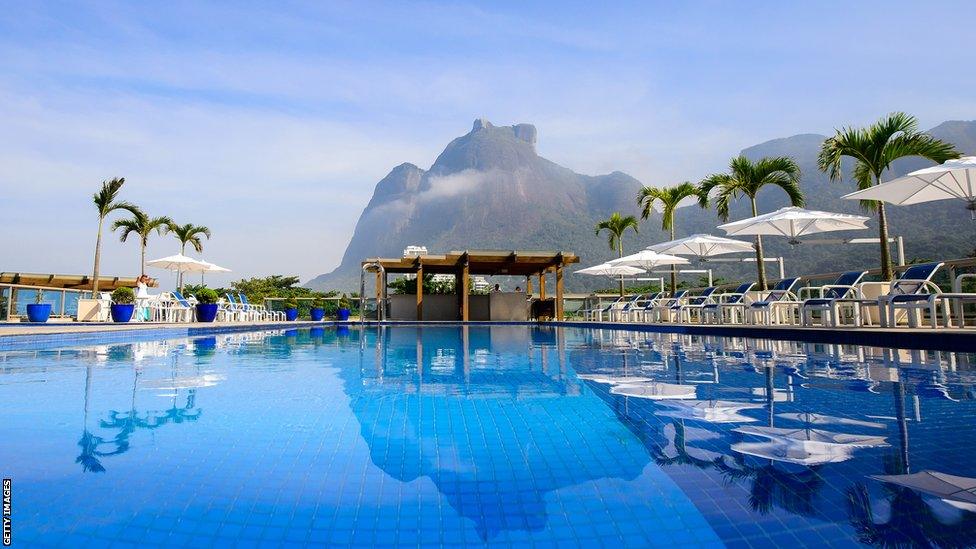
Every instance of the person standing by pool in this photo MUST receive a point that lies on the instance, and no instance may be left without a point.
(143, 297)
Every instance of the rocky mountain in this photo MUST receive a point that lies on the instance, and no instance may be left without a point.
(490, 189)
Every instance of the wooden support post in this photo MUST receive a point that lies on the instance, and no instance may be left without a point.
(465, 290)
(379, 295)
(420, 292)
(542, 285)
(528, 286)
(559, 292)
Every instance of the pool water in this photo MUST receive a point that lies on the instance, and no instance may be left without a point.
(501, 435)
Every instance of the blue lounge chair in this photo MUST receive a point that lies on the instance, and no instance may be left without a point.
(666, 309)
(640, 309)
(182, 310)
(597, 313)
(914, 292)
(695, 305)
(780, 298)
(260, 311)
(845, 287)
(732, 303)
(617, 314)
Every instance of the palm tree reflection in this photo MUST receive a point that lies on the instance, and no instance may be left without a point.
(127, 423)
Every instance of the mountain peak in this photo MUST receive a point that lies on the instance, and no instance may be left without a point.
(521, 132)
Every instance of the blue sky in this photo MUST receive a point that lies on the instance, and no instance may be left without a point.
(272, 122)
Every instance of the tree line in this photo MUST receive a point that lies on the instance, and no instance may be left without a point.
(872, 149)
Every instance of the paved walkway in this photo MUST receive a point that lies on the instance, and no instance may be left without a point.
(24, 328)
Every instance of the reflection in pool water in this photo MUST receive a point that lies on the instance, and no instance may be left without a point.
(505, 435)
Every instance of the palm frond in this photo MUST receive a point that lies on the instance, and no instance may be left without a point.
(864, 178)
(919, 144)
(128, 226)
(106, 195)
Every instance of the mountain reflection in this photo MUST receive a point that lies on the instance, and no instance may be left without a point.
(488, 415)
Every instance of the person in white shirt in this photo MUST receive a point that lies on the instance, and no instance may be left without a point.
(143, 297)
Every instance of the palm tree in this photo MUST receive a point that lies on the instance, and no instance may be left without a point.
(873, 149)
(105, 202)
(189, 234)
(617, 225)
(142, 225)
(669, 198)
(747, 178)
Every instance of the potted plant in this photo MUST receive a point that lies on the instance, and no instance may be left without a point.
(317, 312)
(291, 309)
(123, 300)
(206, 305)
(37, 311)
(343, 313)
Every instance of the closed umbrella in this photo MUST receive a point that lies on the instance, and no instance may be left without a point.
(793, 222)
(954, 179)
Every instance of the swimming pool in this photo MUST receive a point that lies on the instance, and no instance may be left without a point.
(473, 435)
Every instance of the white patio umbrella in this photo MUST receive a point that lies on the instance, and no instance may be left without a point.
(953, 179)
(179, 263)
(606, 269)
(702, 246)
(212, 268)
(955, 490)
(648, 259)
(795, 222)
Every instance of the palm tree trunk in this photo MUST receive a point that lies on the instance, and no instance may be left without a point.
(179, 277)
(898, 392)
(760, 265)
(886, 270)
(620, 253)
(142, 259)
(674, 268)
(98, 257)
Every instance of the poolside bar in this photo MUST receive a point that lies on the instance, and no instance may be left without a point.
(463, 264)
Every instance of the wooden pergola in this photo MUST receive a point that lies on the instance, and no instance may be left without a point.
(463, 264)
(69, 282)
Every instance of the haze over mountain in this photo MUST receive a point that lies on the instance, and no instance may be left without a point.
(489, 189)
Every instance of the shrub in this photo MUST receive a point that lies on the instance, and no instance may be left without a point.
(319, 303)
(344, 302)
(123, 296)
(291, 303)
(207, 296)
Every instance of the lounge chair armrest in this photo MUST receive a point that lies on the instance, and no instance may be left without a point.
(957, 283)
(819, 290)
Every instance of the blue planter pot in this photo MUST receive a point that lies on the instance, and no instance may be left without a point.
(317, 314)
(342, 331)
(291, 314)
(342, 315)
(206, 312)
(122, 313)
(38, 312)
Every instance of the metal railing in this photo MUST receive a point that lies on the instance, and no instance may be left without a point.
(14, 299)
(950, 278)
